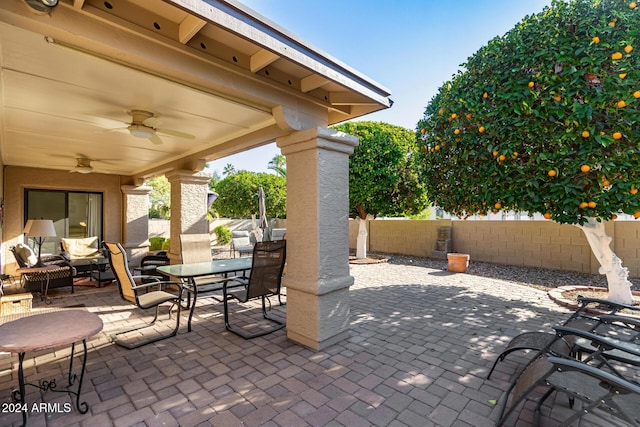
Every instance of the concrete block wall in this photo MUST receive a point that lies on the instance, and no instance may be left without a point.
(527, 243)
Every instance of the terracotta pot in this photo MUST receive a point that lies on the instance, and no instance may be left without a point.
(458, 263)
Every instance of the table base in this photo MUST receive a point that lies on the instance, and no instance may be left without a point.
(18, 396)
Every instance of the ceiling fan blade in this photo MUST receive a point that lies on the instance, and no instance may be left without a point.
(176, 133)
(152, 122)
(155, 139)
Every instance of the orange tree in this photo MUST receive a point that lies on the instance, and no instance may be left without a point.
(545, 119)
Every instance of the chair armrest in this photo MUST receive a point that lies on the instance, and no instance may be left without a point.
(155, 282)
(563, 364)
(614, 305)
(627, 321)
(601, 341)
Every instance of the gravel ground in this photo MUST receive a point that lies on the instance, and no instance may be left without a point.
(540, 278)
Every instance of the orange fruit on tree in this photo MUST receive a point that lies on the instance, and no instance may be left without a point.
(614, 216)
(469, 115)
(552, 173)
(596, 39)
(633, 191)
(584, 205)
(632, 5)
(585, 134)
(636, 94)
(585, 168)
(628, 48)
(621, 104)
(557, 98)
(622, 75)
(616, 56)
(547, 215)
(456, 132)
(485, 95)
(592, 204)
(440, 111)
(606, 183)
(530, 84)
(481, 129)
(495, 154)
(502, 157)
(437, 147)
(454, 115)
(636, 215)
(617, 135)
(612, 23)
(423, 131)
(498, 205)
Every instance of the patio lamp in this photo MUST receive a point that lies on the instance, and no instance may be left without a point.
(39, 229)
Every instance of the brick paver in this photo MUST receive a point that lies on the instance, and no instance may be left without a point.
(420, 346)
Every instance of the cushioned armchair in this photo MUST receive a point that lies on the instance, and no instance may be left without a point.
(33, 282)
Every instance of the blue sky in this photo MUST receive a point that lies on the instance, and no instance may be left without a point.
(409, 46)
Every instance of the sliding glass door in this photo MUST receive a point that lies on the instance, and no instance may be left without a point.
(74, 214)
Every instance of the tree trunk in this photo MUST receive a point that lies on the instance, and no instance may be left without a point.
(610, 265)
(361, 244)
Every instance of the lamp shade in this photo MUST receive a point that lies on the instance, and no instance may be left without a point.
(40, 228)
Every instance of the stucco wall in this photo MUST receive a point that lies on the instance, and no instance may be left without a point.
(17, 179)
(528, 243)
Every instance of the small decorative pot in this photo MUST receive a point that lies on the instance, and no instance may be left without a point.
(457, 263)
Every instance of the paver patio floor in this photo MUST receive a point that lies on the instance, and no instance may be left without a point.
(421, 344)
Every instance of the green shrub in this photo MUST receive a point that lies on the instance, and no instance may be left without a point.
(156, 243)
(223, 234)
(165, 244)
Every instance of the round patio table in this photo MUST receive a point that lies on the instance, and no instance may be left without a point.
(47, 331)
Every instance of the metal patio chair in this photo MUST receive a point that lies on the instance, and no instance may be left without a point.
(149, 295)
(264, 281)
(579, 319)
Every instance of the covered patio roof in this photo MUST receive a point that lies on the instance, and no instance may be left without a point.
(212, 77)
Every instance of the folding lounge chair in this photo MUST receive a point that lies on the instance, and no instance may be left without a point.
(142, 295)
(581, 380)
(600, 393)
(264, 281)
(580, 319)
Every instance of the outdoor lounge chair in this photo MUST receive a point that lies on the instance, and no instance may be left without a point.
(580, 319)
(241, 242)
(264, 281)
(583, 380)
(143, 295)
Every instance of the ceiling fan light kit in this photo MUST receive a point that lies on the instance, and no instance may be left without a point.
(84, 169)
(141, 131)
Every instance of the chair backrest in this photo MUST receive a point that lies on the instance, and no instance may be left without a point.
(195, 248)
(266, 268)
(278, 233)
(240, 238)
(120, 268)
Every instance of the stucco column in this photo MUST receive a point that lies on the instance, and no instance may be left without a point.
(317, 278)
(135, 227)
(188, 207)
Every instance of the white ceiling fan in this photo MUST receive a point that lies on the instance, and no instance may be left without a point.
(83, 165)
(145, 124)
